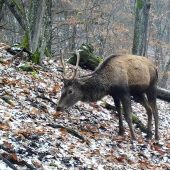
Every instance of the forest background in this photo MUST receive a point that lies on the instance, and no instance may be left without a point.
(32, 133)
(133, 26)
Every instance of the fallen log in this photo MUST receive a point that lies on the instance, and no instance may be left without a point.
(8, 163)
(135, 119)
(163, 94)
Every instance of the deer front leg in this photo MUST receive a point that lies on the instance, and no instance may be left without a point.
(126, 102)
(118, 108)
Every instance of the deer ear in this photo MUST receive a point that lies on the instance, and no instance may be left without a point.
(83, 80)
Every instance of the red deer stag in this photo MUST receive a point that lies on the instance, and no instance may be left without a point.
(119, 76)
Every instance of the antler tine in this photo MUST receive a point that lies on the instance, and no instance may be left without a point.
(63, 65)
(77, 63)
(64, 68)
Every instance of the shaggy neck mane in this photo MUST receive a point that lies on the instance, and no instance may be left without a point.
(93, 89)
(97, 86)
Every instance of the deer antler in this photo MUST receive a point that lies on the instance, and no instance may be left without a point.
(63, 65)
(77, 63)
(64, 68)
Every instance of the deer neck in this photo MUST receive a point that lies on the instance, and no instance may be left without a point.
(94, 89)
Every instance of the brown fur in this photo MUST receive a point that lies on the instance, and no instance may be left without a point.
(130, 70)
(120, 76)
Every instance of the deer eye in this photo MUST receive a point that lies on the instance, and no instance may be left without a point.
(70, 91)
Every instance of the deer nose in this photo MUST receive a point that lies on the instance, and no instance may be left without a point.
(58, 108)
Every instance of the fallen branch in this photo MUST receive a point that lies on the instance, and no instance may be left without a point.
(163, 94)
(40, 106)
(7, 100)
(46, 98)
(8, 163)
(8, 159)
(135, 119)
(72, 132)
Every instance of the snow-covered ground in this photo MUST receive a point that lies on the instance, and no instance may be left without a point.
(33, 135)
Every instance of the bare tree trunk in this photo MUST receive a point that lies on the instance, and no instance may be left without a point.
(141, 25)
(1, 6)
(49, 20)
(35, 22)
(18, 14)
(86, 25)
(45, 38)
(164, 80)
(36, 34)
(73, 36)
(165, 63)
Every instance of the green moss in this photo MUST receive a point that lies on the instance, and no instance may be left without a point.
(140, 4)
(47, 53)
(98, 58)
(27, 63)
(27, 68)
(81, 22)
(25, 40)
(2, 61)
(18, 7)
(78, 14)
(88, 59)
(34, 73)
(7, 100)
(87, 47)
(36, 57)
(136, 120)
(53, 164)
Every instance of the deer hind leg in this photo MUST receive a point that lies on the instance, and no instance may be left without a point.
(126, 103)
(144, 102)
(151, 95)
(118, 108)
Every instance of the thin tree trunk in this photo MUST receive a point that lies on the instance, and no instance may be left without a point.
(35, 22)
(36, 34)
(141, 25)
(164, 80)
(49, 20)
(1, 6)
(73, 37)
(18, 13)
